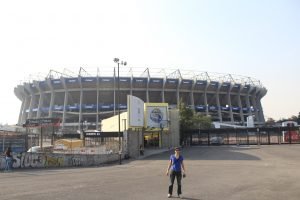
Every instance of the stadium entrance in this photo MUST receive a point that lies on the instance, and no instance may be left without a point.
(151, 139)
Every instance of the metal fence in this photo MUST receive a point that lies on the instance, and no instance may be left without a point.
(49, 139)
(17, 141)
(242, 136)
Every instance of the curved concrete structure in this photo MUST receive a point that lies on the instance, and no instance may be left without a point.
(85, 97)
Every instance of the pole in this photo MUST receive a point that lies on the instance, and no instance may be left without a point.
(52, 137)
(3, 142)
(41, 138)
(120, 161)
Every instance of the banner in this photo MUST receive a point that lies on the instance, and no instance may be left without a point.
(42, 122)
(135, 111)
(156, 115)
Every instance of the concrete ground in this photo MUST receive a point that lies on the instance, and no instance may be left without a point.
(213, 173)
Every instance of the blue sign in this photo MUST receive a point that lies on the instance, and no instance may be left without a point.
(140, 80)
(172, 81)
(235, 108)
(123, 106)
(245, 109)
(124, 80)
(156, 80)
(225, 108)
(56, 81)
(58, 108)
(72, 80)
(187, 82)
(106, 80)
(89, 106)
(200, 107)
(201, 82)
(214, 83)
(89, 80)
(225, 84)
(213, 107)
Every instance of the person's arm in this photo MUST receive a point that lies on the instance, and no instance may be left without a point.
(169, 166)
(182, 166)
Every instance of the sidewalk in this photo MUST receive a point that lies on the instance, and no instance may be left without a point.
(152, 151)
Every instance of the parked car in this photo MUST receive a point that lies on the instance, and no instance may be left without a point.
(216, 140)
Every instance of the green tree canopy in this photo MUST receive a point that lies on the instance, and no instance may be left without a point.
(191, 120)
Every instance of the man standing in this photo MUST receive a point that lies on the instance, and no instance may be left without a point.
(8, 159)
(177, 170)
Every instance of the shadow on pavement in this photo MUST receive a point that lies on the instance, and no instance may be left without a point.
(210, 153)
(189, 198)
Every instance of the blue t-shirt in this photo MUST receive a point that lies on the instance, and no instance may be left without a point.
(176, 163)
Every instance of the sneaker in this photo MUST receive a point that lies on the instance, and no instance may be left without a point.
(180, 196)
(169, 195)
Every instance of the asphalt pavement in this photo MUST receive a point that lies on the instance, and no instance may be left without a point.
(213, 173)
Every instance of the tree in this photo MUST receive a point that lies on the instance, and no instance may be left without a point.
(270, 122)
(186, 117)
(190, 120)
(293, 118)
(202, 121)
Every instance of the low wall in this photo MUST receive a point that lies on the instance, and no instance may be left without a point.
(45, 160)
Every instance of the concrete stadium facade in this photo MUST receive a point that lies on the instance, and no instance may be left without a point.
(90, 97)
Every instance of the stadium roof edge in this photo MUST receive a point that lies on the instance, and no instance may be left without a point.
(146, 71)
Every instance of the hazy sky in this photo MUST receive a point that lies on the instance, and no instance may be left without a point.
(258, 38)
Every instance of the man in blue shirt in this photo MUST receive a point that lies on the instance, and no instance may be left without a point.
(177, 170)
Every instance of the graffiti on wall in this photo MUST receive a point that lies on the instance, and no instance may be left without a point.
(51, 161)
(44, 160)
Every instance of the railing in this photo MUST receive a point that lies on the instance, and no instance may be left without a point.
(242, 136)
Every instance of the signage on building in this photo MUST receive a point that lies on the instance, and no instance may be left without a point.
(135, 111)
(156, 114)
(42, 122)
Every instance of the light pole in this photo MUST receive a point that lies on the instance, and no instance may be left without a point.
(117, 60)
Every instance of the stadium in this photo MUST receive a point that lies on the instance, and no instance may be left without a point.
(92, 95)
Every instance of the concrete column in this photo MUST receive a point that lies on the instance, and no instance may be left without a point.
(192, 95)
(24, 117)
(80, 103)
(261, 113)
(147, 90)
(248, 102)
(205, 99)
(32, 99)
(51, 106)
(177, 92)
(97, 106)
(253, 101)
(240, 105)
(21, 110)
(65, 108)
(41, 100)
(163, 90)
(218, 102)
(65, 103)
(230, 103)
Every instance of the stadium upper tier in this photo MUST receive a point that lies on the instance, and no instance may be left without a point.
(88, 94)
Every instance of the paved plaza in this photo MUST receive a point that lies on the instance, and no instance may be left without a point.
(213, 173)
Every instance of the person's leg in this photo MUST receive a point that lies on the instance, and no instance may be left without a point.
(178, 178)
(10, 163)
(6, 164)
(172, 178)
